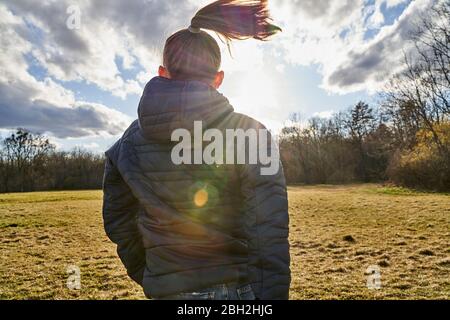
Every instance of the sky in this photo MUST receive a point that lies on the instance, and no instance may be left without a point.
(75, 70)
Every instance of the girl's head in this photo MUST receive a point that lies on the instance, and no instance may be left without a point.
(192, 54)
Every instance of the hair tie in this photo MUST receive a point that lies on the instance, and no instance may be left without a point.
(194, 29)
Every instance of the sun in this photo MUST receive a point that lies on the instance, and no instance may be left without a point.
(257, 94)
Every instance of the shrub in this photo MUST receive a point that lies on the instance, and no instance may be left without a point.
(426, 166)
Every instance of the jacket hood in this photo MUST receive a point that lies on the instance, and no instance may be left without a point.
(167, 105)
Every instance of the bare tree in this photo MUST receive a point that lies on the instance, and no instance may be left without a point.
(23, 149)
(359, 124)
(419, 97)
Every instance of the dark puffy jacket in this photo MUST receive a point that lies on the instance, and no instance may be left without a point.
(169, 241)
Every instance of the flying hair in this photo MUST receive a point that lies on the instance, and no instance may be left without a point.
(193, 54)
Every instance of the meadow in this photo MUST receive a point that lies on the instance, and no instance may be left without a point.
(337, 233)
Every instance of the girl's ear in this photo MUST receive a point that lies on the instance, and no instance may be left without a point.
(163, 72)
(218, 79)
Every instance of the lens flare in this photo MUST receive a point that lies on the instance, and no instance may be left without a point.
(201, 198)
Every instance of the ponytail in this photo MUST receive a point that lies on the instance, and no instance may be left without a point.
(236, 19)
(192, 54)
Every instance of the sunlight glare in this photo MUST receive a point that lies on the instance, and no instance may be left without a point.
(201, 198)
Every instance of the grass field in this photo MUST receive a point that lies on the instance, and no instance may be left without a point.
(337, 232)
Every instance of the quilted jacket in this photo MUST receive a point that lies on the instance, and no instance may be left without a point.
(181, 228)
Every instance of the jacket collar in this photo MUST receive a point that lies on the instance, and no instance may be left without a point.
(167, 105)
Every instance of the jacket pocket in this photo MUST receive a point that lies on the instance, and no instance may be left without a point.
(246, 293)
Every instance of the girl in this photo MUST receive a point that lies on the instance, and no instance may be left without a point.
(197, 231)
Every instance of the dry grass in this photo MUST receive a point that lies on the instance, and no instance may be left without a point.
(43, 233)
(336, 233)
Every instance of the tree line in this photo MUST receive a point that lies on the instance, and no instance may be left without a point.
(404, 139)
(29, 162)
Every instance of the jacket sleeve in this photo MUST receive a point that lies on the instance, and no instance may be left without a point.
(267, 226)
(120, 210)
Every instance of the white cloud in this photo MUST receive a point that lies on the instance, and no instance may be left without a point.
(91, 146)
(44, 106)
(324, 114)
(133, 31)
(370, 65)
(117, 35)
(332, 34)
